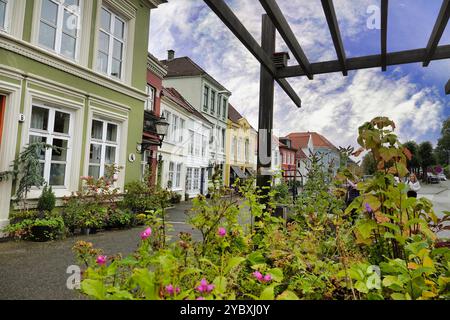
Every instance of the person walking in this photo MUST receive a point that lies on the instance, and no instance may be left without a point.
(414, 186)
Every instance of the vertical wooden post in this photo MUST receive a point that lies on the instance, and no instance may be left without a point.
(266, 97)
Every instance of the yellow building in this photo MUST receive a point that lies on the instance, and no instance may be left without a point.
(241, 148)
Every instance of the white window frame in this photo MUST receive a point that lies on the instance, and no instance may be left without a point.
(247, 150)
(191, 143)
(104, 143)
(196, 179)
(204, 145)
(178, 170)
(168, 115)
(206, 97)
(197, 144)
(212, 108)
(112, 37)
(189, 173)
(224, 108)
(144, 163)
(175, 121)
(50, 135)
(150, 102)
(6, 27)
(59, 28)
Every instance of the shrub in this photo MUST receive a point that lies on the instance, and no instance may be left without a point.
(175, 197)
(47, 200)
(119, 219)
(138, 197)
(37, 227)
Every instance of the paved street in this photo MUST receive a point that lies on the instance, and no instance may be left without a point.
(30, 270)
(439, 194)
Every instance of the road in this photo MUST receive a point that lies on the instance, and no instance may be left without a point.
(439, 194)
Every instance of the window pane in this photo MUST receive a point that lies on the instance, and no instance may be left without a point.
(68, 3)
(37, 139)
(2, 14)
(102, 62)
(62, 122)
(57, 174)
(117, 50)
(111, 132)
(103, 45)
(119, 28)
(94, 171)
(60, 152)
(110, 155)
(95, 153)
(47, 35)
(39, 118)
(116, 69)
(49, 11)
(70, 23)
(105, 22)
(68, 46)
(97, 130)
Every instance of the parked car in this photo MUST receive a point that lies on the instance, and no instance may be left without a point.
(432, 178)
(442, 177)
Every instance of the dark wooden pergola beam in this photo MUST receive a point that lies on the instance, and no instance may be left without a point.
(366, 62)
(447, 87)
(233, 23)
(384, 23)
(438, 30)
(333, 25)
(283, 27)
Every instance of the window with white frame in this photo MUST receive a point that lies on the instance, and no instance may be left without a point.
(213, 102)
(52, 126)
(197, 142)
(181, 131)
(145, 163)
(166, 114)
(188, 179)
(247, 150)
(222, 141)
(178, 175)
(4, 14)
(239, 149)
(59, 26)
(219, 106)
(111, 43)
(170, 181)
(203, 145)
(150, 102)
(224, 109)
(191, 143)
(233, 148)
(205, 98)
(104, 147)
(174, 135)
(196, 179)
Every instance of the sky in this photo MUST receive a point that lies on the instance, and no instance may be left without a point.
(333, 105)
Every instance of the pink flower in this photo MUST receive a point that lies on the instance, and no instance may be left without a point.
(258, 275)
(222, 232)
(200, 298)
(101, 260)
(147, 233)
(267, 278)
(205, 287)
(171, 290)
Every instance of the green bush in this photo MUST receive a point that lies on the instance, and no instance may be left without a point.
(138, 197)
(119, 219)
(35, 226)
(175, 197)
(47, 200)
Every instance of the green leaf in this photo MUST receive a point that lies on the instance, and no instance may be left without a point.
(365, 227)
(146, 281)
(220, 284)
(389, 281)
(361, 287)
(256, 258)
(288, 295)
(277, 274)
(93, 288)
(268, 293)
(398, 296)
(233, 263)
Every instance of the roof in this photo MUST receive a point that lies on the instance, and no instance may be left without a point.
(185, 67)
(177, 98)
(233, 114)
(300, 140)
(301, 154)
(282, 145)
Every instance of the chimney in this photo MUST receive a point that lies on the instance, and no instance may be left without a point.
(170, 55)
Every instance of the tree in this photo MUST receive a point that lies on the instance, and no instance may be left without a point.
(414, 163)
(426, 156)
(368, 164)
(443, 145)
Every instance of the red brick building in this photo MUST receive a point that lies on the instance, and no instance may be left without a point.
(155, 74)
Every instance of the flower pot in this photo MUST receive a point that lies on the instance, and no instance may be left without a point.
(41, 233)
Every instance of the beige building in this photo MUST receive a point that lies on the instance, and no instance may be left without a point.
(241, 148)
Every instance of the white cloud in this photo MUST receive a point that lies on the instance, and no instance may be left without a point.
(333, 105)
